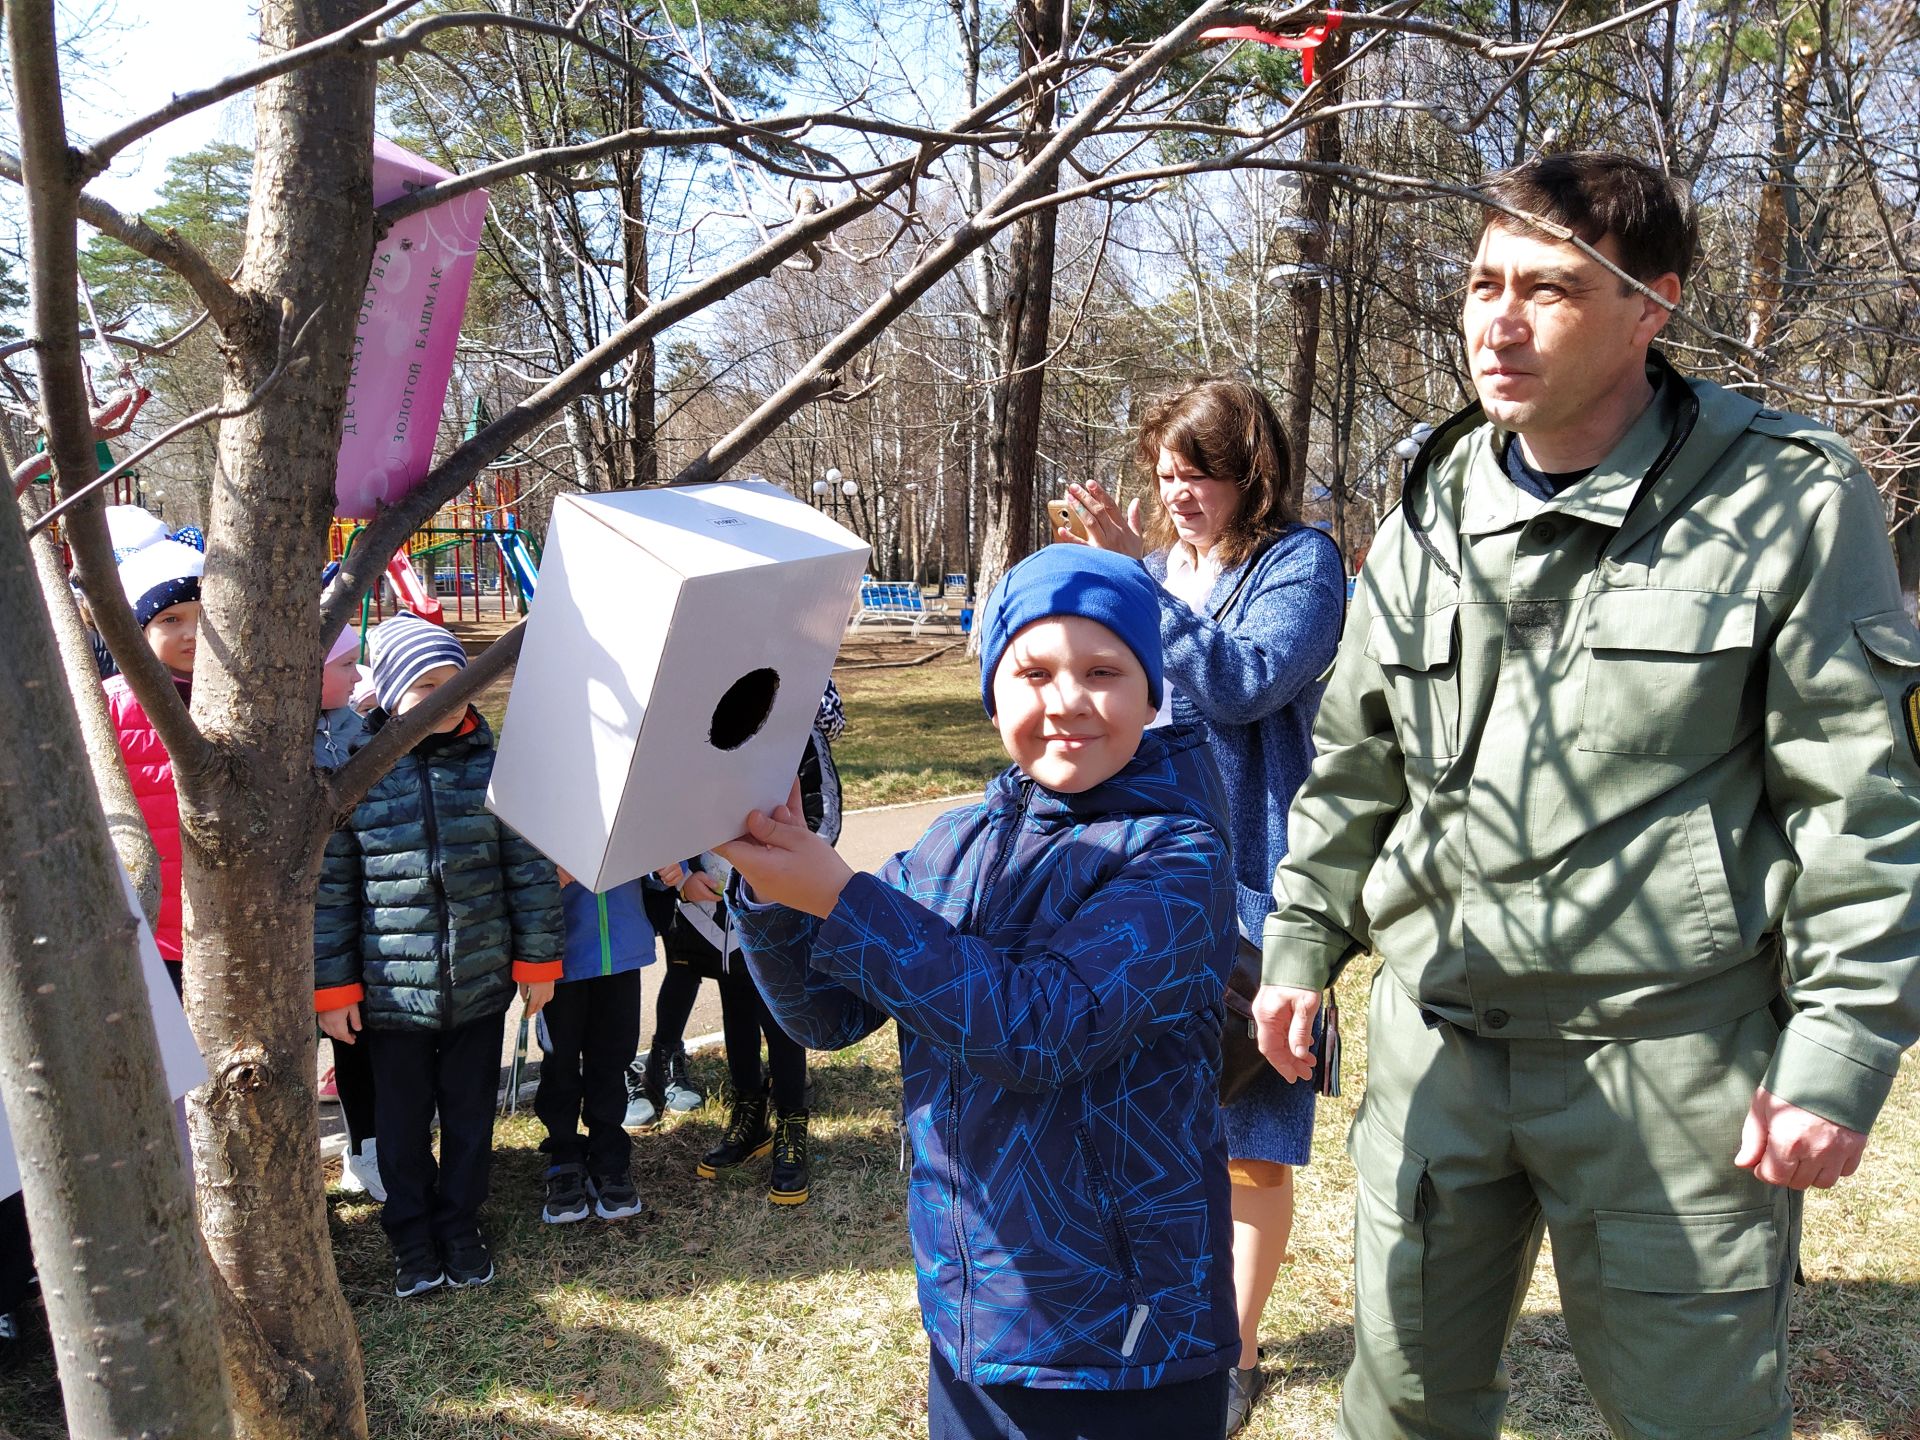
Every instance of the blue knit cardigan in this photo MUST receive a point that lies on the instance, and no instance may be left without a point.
(1251, 678)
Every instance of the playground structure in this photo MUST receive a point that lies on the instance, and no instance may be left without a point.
(470, 553)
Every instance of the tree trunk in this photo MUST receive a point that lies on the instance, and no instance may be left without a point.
(1308, 289)
(1026, 318)
(253, 824)
(125, 825)
(1767, 271)
(124, 1278)
(126, 1283)
(643, 441)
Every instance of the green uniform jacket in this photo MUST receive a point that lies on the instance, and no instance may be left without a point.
(1631, 762)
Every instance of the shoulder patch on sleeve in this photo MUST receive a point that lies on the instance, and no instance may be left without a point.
(1784, 425)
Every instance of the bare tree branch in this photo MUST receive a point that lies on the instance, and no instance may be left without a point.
(45, 168)
(291, 360)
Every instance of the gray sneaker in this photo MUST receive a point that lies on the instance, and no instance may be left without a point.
(681, 1093)
(641, 1111)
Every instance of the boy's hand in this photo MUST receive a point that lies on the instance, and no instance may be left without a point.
(699, 886)
(561, 871)
(342, 1024)
(536, 995)
(671, 876)
(787, 863)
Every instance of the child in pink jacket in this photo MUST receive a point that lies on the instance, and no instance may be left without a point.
(162, 584)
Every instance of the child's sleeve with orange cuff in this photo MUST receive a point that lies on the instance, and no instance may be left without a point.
(534, 908)
(336, 925)
(338, 997)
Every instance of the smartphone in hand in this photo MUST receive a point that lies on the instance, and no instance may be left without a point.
(1063, 516)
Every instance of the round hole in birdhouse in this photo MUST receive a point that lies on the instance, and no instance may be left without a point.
(744, 709)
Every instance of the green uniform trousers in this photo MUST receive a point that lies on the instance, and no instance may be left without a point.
(1675, 1267)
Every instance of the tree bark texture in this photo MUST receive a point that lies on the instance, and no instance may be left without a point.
(1308, 289)
(125, 825)
(123, 1275)
(1026, 319)
(1768, 269)
(125, 1281)
(253, 824)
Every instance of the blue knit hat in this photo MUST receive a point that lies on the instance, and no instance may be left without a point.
(1074, 580)
(405, 648)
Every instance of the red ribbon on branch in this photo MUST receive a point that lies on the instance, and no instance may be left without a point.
(1306, 42)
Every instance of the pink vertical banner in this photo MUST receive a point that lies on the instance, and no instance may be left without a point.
(404, 336)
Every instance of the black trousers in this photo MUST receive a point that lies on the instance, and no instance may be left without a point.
(353, 1078)
(16, 1254)
(744, 1018)
(415, 1073)
(1185, 1410)
(594, 1028)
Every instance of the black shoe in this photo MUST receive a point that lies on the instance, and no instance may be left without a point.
(747, 1137)
(614, 1197)
(653, 1077)
(1244, 1389)
(468, 1261)
(678, 1089)
(566, 1195)
(416, 1270)
(788, 1184)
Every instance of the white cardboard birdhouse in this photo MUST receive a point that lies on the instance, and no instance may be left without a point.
(672, 667)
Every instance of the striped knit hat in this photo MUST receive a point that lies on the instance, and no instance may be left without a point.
(405, 648)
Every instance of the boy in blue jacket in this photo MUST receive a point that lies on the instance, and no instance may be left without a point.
(590, 1032)
(1055, 958)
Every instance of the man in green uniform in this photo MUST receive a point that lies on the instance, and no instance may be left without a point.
(1619, 774)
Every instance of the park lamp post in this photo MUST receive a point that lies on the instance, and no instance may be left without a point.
(833, 489)
(1409, 449)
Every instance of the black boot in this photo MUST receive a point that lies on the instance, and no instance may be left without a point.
(747, 1136)
(654, 1083)
(788, 1185)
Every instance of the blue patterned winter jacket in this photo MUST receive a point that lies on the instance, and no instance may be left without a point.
(1056, 965)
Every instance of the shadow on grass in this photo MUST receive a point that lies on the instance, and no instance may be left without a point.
(1853, 1354)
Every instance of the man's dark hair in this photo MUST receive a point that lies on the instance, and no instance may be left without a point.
(1596, 193)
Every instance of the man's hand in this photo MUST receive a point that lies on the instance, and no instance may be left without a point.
(787, 863)
(343, 1024)
(1106, 528)
(535, 995)
(565, 877)
(1787, 1146)
(1283, 1014)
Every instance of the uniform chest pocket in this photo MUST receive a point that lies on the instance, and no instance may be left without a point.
(1893, 652)
(1421, 657)
(1666, 670)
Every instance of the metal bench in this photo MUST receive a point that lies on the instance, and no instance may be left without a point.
(882, 601)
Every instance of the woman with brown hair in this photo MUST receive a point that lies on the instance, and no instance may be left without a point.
(1251, 603)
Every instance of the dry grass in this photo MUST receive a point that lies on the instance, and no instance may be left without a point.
(915, 734)
(716, 1315)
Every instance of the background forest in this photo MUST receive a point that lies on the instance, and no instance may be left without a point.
(1797, 124)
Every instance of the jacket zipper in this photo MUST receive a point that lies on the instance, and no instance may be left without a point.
(606, 940)
(953, 1107)
(1006, 847)
(1117, 1241)
(431, 821)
